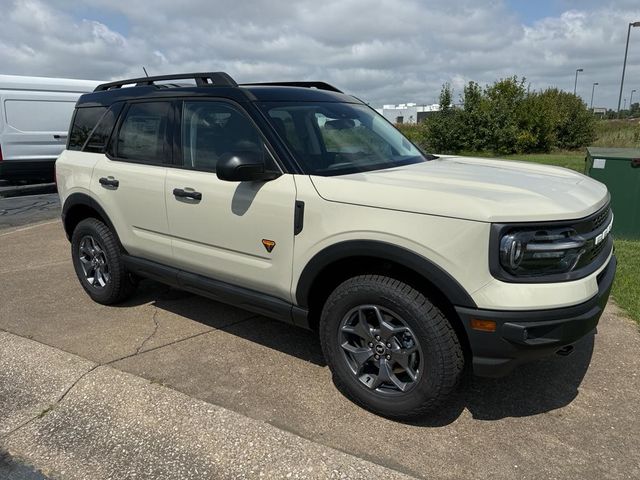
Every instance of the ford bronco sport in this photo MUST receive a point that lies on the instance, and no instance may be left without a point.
(301, 203)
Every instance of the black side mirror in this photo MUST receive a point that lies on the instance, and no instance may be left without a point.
(244, 166)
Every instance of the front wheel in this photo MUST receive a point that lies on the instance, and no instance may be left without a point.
(389, 348)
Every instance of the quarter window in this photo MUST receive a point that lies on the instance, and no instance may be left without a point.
(84, 122)
(142, 136)
(97, 143)
(212, 129)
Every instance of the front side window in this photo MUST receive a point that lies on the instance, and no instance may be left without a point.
(340, 138)
(143, 134)
(213, 129)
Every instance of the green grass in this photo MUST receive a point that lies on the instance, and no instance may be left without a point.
(626, 289)
(617, 133)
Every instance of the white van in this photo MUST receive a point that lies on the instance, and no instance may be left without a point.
(35, 113)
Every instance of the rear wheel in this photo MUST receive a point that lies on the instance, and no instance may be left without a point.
(389, 348)
(97, 260)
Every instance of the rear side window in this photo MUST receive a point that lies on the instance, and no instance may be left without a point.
(97, 143)
(84, 122)
(143, 134)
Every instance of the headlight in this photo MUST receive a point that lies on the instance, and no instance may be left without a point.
(530, 253)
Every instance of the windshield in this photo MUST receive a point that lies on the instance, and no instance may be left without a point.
(339, 138)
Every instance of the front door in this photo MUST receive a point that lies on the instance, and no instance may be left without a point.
(237, 232)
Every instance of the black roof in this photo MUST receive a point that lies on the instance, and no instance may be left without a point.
(215, 84)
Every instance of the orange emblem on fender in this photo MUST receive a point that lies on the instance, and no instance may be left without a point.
(268, 244)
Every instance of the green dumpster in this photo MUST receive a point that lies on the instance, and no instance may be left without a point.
(619, 170)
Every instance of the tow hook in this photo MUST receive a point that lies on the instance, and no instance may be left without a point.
(565, 351)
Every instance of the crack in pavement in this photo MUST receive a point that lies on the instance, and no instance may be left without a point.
(64, 394)
(51, 406)
(152, 334)
(179, 340)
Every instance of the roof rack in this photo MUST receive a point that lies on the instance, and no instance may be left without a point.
(219, 79)
(318, 85)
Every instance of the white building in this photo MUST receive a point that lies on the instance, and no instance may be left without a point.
(407, 112)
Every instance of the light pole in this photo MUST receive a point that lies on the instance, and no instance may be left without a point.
(575, 84)
(631, 98)
(593, 87)
(624, 65)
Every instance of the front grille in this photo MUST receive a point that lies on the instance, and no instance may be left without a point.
(589, 229)
(600, 218)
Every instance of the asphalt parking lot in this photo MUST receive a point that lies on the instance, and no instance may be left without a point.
(565, 417)
(27, 209)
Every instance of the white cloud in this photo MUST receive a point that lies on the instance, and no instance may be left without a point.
(383, 51)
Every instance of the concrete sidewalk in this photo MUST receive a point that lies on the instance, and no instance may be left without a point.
(73, 419)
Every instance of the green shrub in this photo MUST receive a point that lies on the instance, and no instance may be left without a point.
(506, 118)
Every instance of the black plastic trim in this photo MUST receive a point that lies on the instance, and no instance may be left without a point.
(202, 79)
(318, 85)
(83, 199)
(298, 218)
(522, 336)
(43, 169)
(498, 230)
(449, 286)
(219, 291)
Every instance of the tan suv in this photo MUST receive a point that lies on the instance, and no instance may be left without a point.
(301, 203)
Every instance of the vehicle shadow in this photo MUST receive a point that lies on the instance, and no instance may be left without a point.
(11, 468)
(288, 339)
(533, 388)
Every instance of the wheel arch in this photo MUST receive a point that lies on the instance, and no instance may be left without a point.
(331, 266)
(79, 206)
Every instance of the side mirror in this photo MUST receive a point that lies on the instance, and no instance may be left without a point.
(244, 166)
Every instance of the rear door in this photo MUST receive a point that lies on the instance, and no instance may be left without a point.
(130, 180)
(237, 232)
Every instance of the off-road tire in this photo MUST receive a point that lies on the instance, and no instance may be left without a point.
(439, 345)
(121, 284)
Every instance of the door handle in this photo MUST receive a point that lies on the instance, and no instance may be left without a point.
(109, 182)
(182, 193)
(59, 137)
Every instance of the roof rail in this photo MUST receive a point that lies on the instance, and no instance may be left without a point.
(318, 85)
(202, 79)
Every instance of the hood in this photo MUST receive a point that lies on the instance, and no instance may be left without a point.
(478, 189)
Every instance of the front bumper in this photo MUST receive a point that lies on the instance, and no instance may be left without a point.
(522, 336)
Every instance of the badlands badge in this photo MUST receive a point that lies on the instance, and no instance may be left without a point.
(268, 244)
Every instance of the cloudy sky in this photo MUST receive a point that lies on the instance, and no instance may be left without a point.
(383, 51)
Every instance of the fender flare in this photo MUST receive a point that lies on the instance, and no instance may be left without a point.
(78, 198)
(434, 274)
